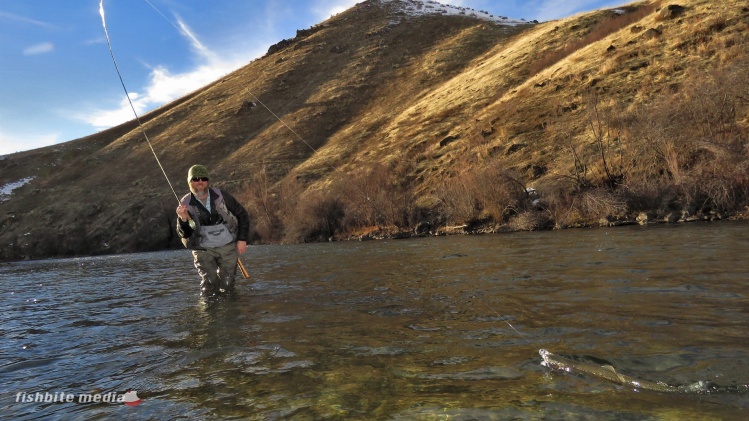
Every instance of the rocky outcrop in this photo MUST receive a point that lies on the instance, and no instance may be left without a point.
(671, 11)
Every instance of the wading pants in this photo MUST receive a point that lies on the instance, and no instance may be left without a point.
(216, 267)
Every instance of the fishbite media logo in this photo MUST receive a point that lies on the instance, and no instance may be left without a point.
(129, 398)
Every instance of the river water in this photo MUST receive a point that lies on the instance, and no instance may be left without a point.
(442, 328)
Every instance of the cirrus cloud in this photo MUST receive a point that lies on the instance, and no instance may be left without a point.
(165, 86)
(41, 48)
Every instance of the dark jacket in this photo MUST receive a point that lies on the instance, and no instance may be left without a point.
(237, 217)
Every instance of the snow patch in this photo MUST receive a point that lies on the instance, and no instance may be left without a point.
(430, 7)
(7, 189)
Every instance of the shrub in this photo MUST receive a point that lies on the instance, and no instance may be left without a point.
(488, 192)
(263, 206)
(458, 202)
(529, 220)
(500, 192)
(693, 145)
(316, 217)
(374, 197)
(601, 203)
(560, 204)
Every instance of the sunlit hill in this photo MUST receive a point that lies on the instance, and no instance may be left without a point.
(395, 119)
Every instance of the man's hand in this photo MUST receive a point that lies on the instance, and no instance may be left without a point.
(241, 247)
(182, 213)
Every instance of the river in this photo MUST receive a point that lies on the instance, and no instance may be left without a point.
(440, 328)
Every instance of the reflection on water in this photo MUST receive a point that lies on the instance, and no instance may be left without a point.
(433, 329)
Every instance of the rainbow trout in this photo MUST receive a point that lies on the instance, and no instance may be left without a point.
(607, 372)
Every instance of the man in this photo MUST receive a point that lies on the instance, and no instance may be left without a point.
(215, 227)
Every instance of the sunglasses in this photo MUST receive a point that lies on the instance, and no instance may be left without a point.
(194, 179)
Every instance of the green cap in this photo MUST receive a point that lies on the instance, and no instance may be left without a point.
(197, 171)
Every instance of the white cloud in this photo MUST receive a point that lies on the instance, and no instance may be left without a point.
(104, 119)
(11, 143)
(326, 9)
(556, 9)
(165, 86)
(42, 48)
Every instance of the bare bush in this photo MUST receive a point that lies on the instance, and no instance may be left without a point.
(289, 192)
(567, 208)
(316, 217)
(602, 203)
(561, 205)
(375, 197)
(485, 193)
(458, 201)
(500, 192)
(263, 206)
(693, 145)
(724, 193)
(529, 220)
(650, 193)
(607, 139)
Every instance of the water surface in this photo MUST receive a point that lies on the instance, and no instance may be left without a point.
(422, 329)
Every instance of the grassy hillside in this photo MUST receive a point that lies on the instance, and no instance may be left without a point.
(376, 122)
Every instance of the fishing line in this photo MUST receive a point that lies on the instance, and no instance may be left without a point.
(137, 118)
(142, 129)
(255, 98)
(502, 318)
(145, 135)
(101, 11)
(280, 120)
(127, 95)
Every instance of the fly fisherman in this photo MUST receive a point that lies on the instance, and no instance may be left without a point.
(212, 224)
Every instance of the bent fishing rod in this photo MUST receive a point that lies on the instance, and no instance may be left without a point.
(127, 95)
(245, 274)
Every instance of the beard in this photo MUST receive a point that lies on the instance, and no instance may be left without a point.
(200, 192)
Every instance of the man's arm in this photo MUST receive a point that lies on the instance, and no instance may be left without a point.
(184, 229)
(243, 218)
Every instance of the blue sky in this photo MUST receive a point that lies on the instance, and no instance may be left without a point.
(58, 82)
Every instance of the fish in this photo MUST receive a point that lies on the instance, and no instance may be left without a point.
(608, 372)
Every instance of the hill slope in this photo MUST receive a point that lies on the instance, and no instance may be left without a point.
(394, 114)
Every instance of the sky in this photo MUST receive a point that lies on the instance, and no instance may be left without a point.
(58, 81)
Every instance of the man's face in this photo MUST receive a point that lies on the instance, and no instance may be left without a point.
(199, 186)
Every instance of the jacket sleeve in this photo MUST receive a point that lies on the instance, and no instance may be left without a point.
(184, 230)
(243, 218)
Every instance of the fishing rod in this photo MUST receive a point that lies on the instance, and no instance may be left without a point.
(280, 120)
(129, 101)
(137, 118)
(256, 99)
